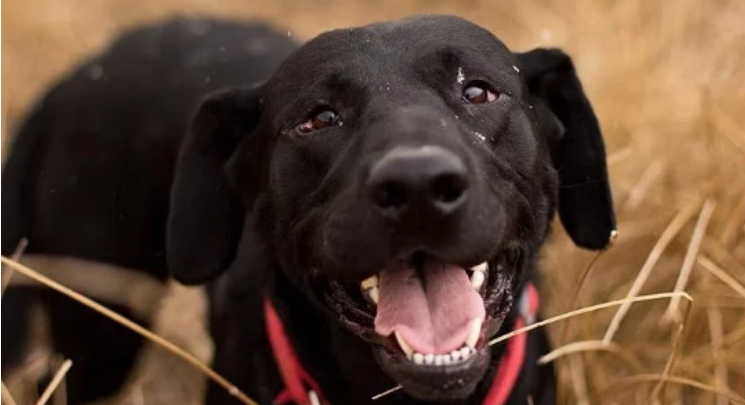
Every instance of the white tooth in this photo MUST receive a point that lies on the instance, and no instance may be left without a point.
(474, 333)
(446, 359)
(465, 352)
(429, 358)
(369, 283)
(374, 293)
(455, 355)
(477, 280)
(438, 360)
(481, 268)
(404, 346)
(418, 358)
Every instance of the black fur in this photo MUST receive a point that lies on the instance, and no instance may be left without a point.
(287, 215)
(90, 172)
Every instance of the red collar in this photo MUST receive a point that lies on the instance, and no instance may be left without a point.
(302, 389)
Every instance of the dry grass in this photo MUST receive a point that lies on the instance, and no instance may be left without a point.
(55, 383)
(668, 83)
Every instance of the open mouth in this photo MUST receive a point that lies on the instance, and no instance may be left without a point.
(433, 310)
(427, 316)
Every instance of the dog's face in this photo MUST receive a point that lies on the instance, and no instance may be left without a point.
(407, 172)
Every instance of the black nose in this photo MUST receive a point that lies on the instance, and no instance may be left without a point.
(421, 181)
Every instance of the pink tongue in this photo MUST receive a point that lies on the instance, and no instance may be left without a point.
(431, 309)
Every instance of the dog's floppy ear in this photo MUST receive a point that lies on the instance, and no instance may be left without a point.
(585, 202)
(207, 213)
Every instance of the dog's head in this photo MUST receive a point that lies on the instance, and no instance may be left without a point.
(406, 174)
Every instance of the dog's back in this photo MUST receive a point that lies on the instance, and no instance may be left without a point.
(90, 171)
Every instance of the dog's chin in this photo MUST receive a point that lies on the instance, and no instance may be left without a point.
(430, 383)
(445, 356)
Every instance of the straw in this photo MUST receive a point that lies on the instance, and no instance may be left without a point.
(188, 357)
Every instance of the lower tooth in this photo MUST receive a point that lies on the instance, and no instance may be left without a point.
(404, 346)
(455, 355)
(441, 359)
(474, 333)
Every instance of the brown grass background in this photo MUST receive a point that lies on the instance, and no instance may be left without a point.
(667, 79)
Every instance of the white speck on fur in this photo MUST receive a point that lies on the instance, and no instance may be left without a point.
(517, 69)
(457, 117)
(461, 77)
(481, 136)
(95, 72)
(443, 122)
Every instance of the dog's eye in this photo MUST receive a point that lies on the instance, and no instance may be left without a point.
(320, 119)
(479, 93)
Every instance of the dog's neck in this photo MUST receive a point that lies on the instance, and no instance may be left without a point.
(342, 363)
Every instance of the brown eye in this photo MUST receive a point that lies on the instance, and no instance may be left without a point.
(322, 119)
(478, 94)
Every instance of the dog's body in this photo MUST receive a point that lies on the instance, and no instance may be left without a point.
(90, 172)
(408, 156)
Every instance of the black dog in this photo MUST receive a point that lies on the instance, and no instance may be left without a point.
(380, 203)
(89, 178)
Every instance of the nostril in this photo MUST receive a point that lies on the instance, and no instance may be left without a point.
(390, 195)
(448, 188)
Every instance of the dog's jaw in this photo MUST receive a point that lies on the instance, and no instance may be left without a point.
(449, 371)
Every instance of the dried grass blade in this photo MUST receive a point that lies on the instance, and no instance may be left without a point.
(181, 353)
(585, 310)
(642, 378)
(671, 314)
(7, 273)
(668, 235)
(578, 288)
(579, 381)
(702, 354)
(736, 220)
(728, 127)
(619, 156)
(386, 392)
(60, 393)
(677, 344)
(592, 345)
(7, 398)
(719, 254)
(721, 275)
(642, 186)
(716, 331)
(56, 380)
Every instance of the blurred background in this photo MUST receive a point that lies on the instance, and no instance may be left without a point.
(667, 80)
